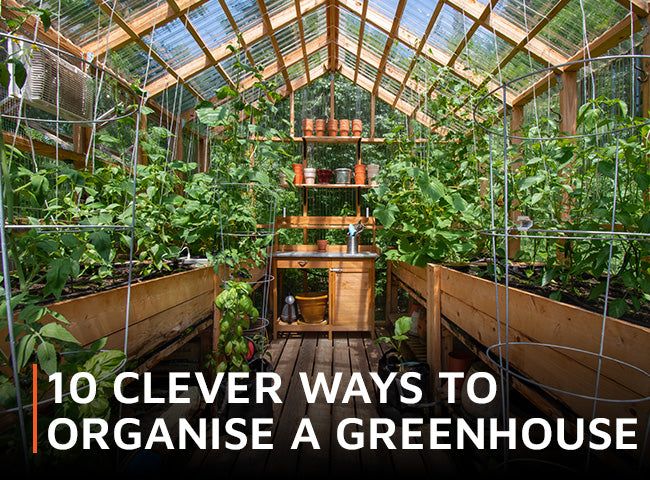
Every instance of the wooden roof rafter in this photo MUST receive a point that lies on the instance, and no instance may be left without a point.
(399, 12)
(418, 52)
(362, 29)
(333, 18)
(147, 48)
(199, 40)
(276, 48)
(301, 30)
(250, 36)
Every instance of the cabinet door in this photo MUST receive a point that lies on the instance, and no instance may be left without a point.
(351, 298)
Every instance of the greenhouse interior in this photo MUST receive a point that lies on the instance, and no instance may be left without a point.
(319, 237)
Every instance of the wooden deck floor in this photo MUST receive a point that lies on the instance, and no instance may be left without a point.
(313, 354)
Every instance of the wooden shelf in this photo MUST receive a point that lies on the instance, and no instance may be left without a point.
(334, 185)
(332, 139)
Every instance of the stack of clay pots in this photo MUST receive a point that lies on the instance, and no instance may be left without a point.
(360, 174)
(333, 127)
(308, 127)
(357, 127)
(299, 175)
(344, 128)
(320, 127)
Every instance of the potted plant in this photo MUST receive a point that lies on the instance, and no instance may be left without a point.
(394, 361)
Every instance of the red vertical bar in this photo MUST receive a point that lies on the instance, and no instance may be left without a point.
(34, 408)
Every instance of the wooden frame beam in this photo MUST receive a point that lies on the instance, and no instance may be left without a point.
(143, 24)
(276, 48)
(134, 36)
(418, 52)
(399, 12)
(362, 30)
(508, 31)
(250, 36)
(333, 33)
(199, 40)
(301, 29)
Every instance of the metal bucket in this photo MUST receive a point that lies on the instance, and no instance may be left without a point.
(353, 244)
(343, 176)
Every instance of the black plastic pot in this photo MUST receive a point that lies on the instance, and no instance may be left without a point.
(394, 408)
(250, 410)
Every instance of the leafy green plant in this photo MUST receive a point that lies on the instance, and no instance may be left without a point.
(400, 333)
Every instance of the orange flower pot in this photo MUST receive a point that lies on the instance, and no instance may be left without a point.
(344, 128)
(308, 127)
(320, 127)
(357, 127)
(333, 127)
(360, 174)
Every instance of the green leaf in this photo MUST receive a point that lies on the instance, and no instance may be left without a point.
(58, 332)
(101, 240)
(618, 308)
(57, 275)
(402, 326)
(4, 75)
(25, 350)
(47, 357)
(20, 73)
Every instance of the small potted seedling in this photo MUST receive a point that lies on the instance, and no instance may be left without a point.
(394, 361)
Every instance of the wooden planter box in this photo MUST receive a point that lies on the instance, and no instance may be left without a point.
(161, 309)
(465, 305)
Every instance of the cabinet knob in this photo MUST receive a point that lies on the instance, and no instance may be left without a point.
(336, 270)
(302, 263)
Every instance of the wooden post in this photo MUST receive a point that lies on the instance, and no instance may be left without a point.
(216, 313)
(434, 332)
(372, 115)
(569, 103)
(178, 146)
(516, 122)
(292, 113)
(390, 291)
(81, 143)
(142, 156)
(332, 98)
(202, 154)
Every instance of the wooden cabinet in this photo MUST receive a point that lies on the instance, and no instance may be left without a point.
(351, 297)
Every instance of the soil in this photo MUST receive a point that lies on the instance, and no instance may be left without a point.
(577, 295)
(86, 284)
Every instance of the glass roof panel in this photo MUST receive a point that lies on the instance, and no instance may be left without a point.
(288, 38)
(410, 96)
(131, 62)
(207, 82)
(565, 31)
(263, 53)
(417, 15)
(374, 40)
(211, 23)
(130, 9)
(449, 30)
(349, 59)
(274, 6)
(174, 44)
(400, 56)
(233, 69)
(245, 12)
(317, 58)
(296, 70)
(176, 99)
(521, 64)
(485, 50)
(367, 70)
(524, 13)
(386, 8)
(314, 24)
(390, 85)
(349, 24)
(78, 21)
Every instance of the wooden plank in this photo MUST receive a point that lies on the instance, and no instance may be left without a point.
(322, 222)
(26, 145)
(434, 329)
(569, 103)
(413, 277)
(362, 28)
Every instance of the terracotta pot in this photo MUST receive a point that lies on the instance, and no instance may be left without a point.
(333, 127)
(320, 127)
(357, 127)
(344, 128)
(310, 176)
(360, 174)
(299, 177)
(459, 361)
(322, 245)
(308, 127)
(324, 175)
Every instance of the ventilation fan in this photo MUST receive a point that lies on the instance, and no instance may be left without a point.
(45, 73)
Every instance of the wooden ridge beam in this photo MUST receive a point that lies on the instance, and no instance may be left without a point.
(399, 12)
(235, 28)
(487, 9)
(508, 31)
(134, 36)
(199, 40)
(141, 25)
(418, 52)
(276, 48)
(598, 47)
(362, 29)
(250, 36)
(301, 30)
(333, 32)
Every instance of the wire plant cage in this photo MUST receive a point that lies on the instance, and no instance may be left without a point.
(597, 228)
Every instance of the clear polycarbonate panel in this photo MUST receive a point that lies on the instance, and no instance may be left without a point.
(485, 50)
(237, 67)
(389, 84)
(174, 44)
(417, 16)
(176, 99)
(449, 30)
(521, 64)
(349, 59)
(411, 97)
(245, 12)
(526, 14)
(79, 22)
(276, 81)
(566, 33)
(349, 24)
(314, 24)
(386, 8)
(263, 53)
(207, 82)
(288, 38)
(131, 62)
(423, 71)
(317, 58)
(213, 26)
(252, 95)
(297, 70)
(367, 70)
(374, 40)
(274, 6)
(131, 9)
(400, 56)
